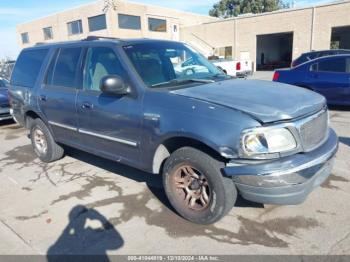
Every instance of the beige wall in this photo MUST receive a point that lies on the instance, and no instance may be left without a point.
(327, 17)
(241, 32)
(59, 22)
(311, 27)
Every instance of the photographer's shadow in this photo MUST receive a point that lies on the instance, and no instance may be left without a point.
(88, 233)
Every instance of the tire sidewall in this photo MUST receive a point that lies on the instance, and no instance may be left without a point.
(216, 208)
(38, 124)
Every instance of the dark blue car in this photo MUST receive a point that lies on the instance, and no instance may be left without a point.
(329, 76)
(210, 136)
(4, 101)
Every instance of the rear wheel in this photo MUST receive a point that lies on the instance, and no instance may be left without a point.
(43, 143)
(196, 188)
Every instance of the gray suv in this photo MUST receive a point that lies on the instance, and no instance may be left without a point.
(210, 136)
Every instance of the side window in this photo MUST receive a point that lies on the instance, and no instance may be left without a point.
(100, 61)
(336, 65)
(27, 67)
(66, 67)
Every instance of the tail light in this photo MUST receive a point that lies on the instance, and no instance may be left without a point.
(276, 76)
(238, 66)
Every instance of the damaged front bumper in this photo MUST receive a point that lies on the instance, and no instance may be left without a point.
(284, 181)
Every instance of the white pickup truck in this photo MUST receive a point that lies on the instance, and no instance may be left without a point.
(234, 68)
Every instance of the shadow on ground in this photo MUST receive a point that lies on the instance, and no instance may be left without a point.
(153, 181)
(6, 122)
(344, 140)
(269, 231)
(339, 108)
(88, 233)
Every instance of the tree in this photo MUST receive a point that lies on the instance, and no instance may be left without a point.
(230, 8)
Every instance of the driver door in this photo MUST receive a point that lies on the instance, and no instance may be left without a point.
(108, 124)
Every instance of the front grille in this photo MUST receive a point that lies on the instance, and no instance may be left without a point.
(314, 131)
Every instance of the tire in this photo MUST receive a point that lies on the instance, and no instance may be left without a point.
(47, 150)
(220, 192)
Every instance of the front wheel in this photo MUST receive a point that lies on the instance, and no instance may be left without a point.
(196, 188)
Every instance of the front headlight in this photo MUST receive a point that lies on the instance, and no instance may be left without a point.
(267, 142)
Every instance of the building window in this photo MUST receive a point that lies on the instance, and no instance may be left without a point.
(97, 23)
(224, 52)
(75, 27)
(48, 33)
(25, 38)
(156, 25)
(129, 22)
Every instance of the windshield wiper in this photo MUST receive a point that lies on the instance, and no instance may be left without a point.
(183, 81)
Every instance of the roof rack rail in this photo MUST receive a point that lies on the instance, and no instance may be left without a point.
(93, 38)
(39, 43)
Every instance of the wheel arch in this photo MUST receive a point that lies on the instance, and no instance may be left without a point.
(31, 115)
(171, 144)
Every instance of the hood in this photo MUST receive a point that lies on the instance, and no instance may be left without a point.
(264, 100)
(3, 96)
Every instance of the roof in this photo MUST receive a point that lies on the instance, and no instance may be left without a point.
(101, 39)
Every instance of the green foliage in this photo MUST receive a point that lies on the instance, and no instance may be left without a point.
(222, 8)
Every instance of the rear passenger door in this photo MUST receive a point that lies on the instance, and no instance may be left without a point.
(57, 97)
(109, 124)
(331, 78)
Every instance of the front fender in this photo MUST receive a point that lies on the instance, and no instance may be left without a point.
(167, 116)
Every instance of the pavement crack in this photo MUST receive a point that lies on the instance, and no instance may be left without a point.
(338, 242)
(17, 234)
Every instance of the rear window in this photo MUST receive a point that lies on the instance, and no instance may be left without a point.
(28, 67)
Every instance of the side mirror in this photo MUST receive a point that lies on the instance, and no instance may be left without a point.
(113, 84)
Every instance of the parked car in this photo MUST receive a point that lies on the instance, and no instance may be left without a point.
(6, 69)
(210, 136)
(4, 102)
(189, 67)
(234, 68)
(305, 57)
(329, 76)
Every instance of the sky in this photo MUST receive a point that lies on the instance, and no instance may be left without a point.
(13, 12)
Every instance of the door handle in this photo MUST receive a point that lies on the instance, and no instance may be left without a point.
(87, 105)
(43, 98)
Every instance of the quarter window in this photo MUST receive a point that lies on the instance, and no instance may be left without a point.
(25, 38)
(66, 67)
(100, 61)
(48, 33)
(75, 27)
(28, 67)
(157, 25)
(97, 23)
(129, 22)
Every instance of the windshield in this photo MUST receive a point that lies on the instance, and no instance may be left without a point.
(167, 64)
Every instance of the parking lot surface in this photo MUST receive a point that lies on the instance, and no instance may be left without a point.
(83, 204)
